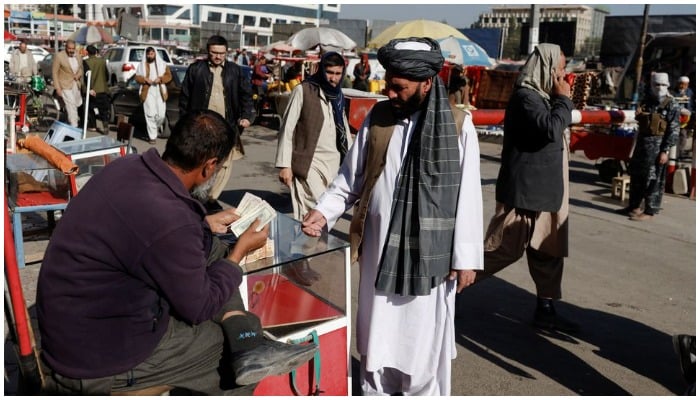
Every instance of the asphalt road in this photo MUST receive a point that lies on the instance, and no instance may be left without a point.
(631, 285)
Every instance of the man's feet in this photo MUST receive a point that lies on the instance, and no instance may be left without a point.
(684, 345)
(630, 212)
(641, 217)
(546, 318)
(268, 359)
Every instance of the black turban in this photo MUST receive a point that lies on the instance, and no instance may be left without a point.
(409, 61)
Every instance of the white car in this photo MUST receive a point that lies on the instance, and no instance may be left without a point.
(123, 60)
(37, 51)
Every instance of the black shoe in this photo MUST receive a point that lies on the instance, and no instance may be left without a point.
(546, 318)
(684, 345)
(270, 358)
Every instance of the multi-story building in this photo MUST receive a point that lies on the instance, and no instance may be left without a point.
(583, 23)
(172, 24)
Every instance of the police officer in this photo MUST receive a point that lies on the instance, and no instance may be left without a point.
(659, 125)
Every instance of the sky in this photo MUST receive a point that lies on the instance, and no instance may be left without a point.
(463, 15)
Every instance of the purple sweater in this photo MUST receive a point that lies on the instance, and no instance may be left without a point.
(129, 252)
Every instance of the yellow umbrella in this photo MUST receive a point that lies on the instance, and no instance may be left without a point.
(417, 28)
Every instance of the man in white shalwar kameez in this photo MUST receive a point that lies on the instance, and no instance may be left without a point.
(153, 75)
(405, 332)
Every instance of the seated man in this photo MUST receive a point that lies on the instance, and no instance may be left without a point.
(135, 292)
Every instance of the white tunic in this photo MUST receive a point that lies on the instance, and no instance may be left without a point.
(405, 332)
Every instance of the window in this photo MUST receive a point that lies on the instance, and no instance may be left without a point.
(115, 54)
(280, 21)
(265, 22)
(214, 16)
(249, 20)
(231, 18)
(163, 55)
(185, 15)
(503, 20)
(136, 54)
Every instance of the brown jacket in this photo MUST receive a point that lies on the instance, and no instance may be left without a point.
(165, 78)
(63, 75)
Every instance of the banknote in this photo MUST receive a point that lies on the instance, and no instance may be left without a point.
(249, 209)
(248, 201)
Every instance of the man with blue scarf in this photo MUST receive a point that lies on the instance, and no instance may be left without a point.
(313, 138)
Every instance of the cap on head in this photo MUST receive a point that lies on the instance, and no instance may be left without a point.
(660, 78)
(684, 79)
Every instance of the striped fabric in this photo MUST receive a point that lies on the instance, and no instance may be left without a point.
(417, 254)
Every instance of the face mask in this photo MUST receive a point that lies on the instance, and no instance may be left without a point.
(660, 91)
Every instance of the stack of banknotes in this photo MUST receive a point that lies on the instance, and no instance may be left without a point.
(249, 209)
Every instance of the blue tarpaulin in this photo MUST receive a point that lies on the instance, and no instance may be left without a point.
(488, 38)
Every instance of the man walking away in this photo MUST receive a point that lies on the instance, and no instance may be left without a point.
(99, 98)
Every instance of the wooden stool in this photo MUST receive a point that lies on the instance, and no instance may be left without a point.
(620, 184)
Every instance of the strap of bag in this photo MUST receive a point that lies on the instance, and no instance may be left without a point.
(311, 337)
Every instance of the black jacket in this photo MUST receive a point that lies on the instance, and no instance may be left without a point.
(531, 175)
(238, 94)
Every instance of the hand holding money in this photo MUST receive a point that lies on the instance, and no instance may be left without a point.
(249, 209)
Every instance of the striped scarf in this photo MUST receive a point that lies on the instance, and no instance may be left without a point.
(417, 254)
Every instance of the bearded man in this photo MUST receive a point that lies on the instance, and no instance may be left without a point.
(415, 172)
(136, 293)
(154, 75)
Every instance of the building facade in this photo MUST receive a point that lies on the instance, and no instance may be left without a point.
(172, 24)
(584, 23)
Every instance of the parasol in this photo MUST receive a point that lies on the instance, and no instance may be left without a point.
(91, 34)
(9, 36)
(279, 47)
(414, 28)
(463, 52)
(328, 39)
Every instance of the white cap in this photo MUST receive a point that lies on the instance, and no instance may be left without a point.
(684, 79)
(660, 78)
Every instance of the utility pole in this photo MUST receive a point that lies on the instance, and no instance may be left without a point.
(534, 28)
(640, 60)
(55, 28)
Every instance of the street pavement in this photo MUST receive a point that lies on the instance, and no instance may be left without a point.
(630, 285)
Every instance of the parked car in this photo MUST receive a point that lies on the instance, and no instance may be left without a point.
(125, 101)
(122, 61)
(44, 68)
(37, 51)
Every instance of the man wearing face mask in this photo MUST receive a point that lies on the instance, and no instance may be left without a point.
(658, 117)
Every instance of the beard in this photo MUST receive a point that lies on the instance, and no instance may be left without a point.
(150, 60)
(404, 109)
(201, 192)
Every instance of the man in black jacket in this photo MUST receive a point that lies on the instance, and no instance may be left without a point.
(222, 87)
(532, 188)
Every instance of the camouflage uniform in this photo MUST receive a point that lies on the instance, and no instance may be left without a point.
(647, 177)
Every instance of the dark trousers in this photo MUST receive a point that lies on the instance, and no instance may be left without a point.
(100, 102)
(647, 177)
(188, 357)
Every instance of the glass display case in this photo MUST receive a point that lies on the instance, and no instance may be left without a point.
(91, 155)
(304, 287)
